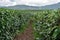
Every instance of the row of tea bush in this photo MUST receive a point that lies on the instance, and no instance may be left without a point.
(46, 23)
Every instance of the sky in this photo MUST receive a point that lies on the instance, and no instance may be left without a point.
(28, 2)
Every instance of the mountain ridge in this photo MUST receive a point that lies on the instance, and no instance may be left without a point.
(53, 6)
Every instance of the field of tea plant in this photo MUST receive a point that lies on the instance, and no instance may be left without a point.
(46, 23)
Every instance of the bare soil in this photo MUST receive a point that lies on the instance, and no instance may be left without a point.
(27, 34)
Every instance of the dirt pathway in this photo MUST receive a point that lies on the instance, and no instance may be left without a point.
(27, 34)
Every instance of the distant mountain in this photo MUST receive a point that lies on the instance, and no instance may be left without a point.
(23, 7)
(53, 6)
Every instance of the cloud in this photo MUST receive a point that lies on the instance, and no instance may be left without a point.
(7, 3)
(37, 2)
(27, 2)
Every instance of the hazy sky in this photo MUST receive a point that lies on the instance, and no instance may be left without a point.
(28, 2)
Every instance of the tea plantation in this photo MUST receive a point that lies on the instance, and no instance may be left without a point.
(46, 23)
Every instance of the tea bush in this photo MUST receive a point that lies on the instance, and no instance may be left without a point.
(46, 23)
(12, 23)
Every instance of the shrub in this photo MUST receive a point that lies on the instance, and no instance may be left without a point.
(45, 23)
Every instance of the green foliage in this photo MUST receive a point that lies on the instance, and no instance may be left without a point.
(46, 23)
(12, 22)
